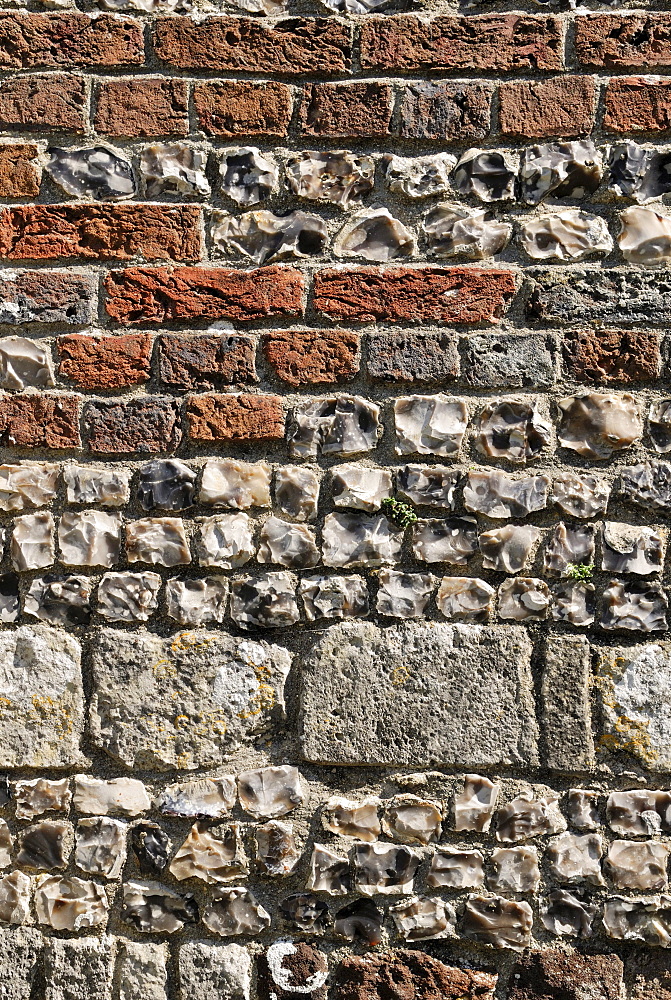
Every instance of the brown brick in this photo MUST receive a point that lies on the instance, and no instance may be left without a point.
(648, 975)
(638, 104)
(409, 356)
(40, 421)
(554, 973)
(563, 106)
(145, 424)
(158, 295)
(346, 109)
(418, 295)
(302, 357)
(19, 177)
(235, 418)
(47, 297)
(409, 973)
(100, 232)
(619, 40)
(293, 46)
(203, 361)
(71, 39)
(240, 107)
(34, 103)
(445, 110)
(142, 107)
(607, 356)
(500, 42)
(105, 362)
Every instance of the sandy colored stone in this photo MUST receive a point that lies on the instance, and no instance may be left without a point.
(243, 107)
(19, 177)
(235, 417)
(20, 961)
(105, 362)
(142, 106)
(302, 357)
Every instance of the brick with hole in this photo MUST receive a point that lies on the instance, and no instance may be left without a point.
(29, 40)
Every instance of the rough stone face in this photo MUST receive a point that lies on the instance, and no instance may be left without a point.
(146, 425)
(411, 973)
(201, 705)
(305, 357)
(399, 672)
(406, 356)
(621, 296)
(566, 717)
(214, 971)
(19, 177)
(142, 970)
(46, 297)
(609, 356)
(445, 110)
(78, 967)
(544, 973)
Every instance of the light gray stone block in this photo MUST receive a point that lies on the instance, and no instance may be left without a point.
(141, 970)
(565, 694)
(214, 972)
(419, 694)
(20, 951)
(78, 969)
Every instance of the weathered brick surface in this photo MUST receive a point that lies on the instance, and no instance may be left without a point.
(43, 102)
(231, 44)
(346, 109)
(146, 424)
(235, 418)
(142, 107)
(408, 356)
(203, 361)
(19, 177)
(301, 357)
(240, 107)
(68, 39)
(431, 294)
(445, 110)
(110, 232)
(543, 973)
(47, 297)
(621, 40)
(105, 362)
(564, 106)
(500, 42)
(39, 421)
(637, 104)
(618, 296)
(607, 356)
(157, 295)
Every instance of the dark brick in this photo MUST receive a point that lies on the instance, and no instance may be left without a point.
(499, 42)
(346, 109)
(105, 362)
(418, 295)
(563, 106)
(445, 110)
(43, 102)
(549, 974)
(302, 357)
(607, 356)
(40, 421)
(235, 418)
(293, 46)
(637, 104)
(204, 361)
(158, 295)
(145, 424)
(648, 975)
(47, 297)
(614, 41)
(142, 106)
(409, 974)
(507, 360)
(407, 356)
(68, 39)
(611, 297)
(241, 107)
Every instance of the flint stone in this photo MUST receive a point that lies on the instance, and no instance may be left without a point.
(614, 297)
(42, 699)
(419, 694)
(182, 701)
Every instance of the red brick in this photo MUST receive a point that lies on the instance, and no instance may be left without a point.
(445, 110)
(105, 362)
(240, 107)
(19, 177)
(100, 232)
(534, 109)
(620, 40)
(36, 103)
(142, 107)
(40, 421)
(145, 424)
(159, 295)
(235, 418)
(302, 357)
(346, 109)
(72, 39)
(606, 356)
(500, 42)
(47, 297)
(293, 46)
(638, 104)
(419, 295)
(205, 360)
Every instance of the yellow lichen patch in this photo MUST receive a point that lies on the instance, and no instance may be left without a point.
(630, 735)
(400, 676)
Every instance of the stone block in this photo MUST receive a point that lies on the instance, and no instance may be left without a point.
(498, 360)
(214, 972)
(20, 954)
(78, 969)
(565, 694)
(419, 694)
(141, 970)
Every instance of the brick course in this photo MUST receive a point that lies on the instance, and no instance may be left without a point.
(235, 418)
(105, 362)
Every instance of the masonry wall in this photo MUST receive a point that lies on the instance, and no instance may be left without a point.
(334, 411)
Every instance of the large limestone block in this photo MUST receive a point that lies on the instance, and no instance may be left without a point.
(420, 694)
(20, 953)
(214, 972)
(182, 701)
(78, 969)
(41, 698)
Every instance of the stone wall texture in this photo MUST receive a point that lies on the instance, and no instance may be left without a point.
(335, 486)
